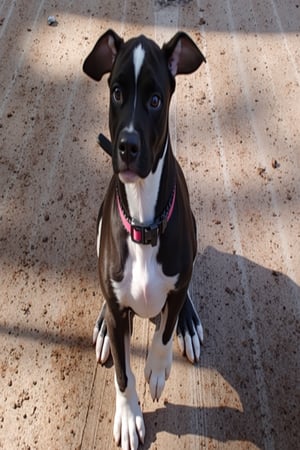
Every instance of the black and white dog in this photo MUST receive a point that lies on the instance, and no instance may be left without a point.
(146, 231)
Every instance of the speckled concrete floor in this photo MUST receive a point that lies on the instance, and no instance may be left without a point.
(235, 128)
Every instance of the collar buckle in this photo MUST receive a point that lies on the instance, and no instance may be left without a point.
(144, 235)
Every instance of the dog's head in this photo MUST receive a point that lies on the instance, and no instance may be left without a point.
(141, 82)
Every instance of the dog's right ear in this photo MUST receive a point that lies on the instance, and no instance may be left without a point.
(103, 55)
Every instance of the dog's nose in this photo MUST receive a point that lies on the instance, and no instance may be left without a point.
(129, 146)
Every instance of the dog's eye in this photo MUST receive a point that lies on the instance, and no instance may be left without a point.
(117, 95)
(155, 101)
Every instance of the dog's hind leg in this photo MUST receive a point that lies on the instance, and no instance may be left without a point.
(189, 331)
(100, 337)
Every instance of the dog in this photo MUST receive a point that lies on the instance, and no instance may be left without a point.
(146, 240)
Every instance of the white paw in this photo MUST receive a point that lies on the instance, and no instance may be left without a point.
(157, 369)
(129, 428)
(190, 343)
(101, 339)
(102, 348)
(190, 332)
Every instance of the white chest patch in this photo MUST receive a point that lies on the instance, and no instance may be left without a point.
(144, 287)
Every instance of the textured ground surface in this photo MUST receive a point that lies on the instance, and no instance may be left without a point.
(235, 128)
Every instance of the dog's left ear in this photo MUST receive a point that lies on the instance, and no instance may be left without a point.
(182, 54)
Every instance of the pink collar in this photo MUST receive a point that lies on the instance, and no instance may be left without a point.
(148, 234)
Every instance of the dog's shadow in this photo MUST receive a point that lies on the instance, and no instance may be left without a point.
(249, 315)
(180, 420)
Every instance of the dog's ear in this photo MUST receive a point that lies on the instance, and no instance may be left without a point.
(182, 54)
(103, 55)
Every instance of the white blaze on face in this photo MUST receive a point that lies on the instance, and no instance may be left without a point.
(138, 59)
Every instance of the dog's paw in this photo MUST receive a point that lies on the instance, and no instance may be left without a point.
(189, 331)
(100, 338)
(129, 428)
(158, 368)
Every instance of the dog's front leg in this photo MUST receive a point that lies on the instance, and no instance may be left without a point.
(159, 360)
(129, 426)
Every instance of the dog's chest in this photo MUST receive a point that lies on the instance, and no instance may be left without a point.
(144, 287)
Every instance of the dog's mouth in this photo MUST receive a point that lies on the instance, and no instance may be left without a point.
(128, 171)
(128, 176)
